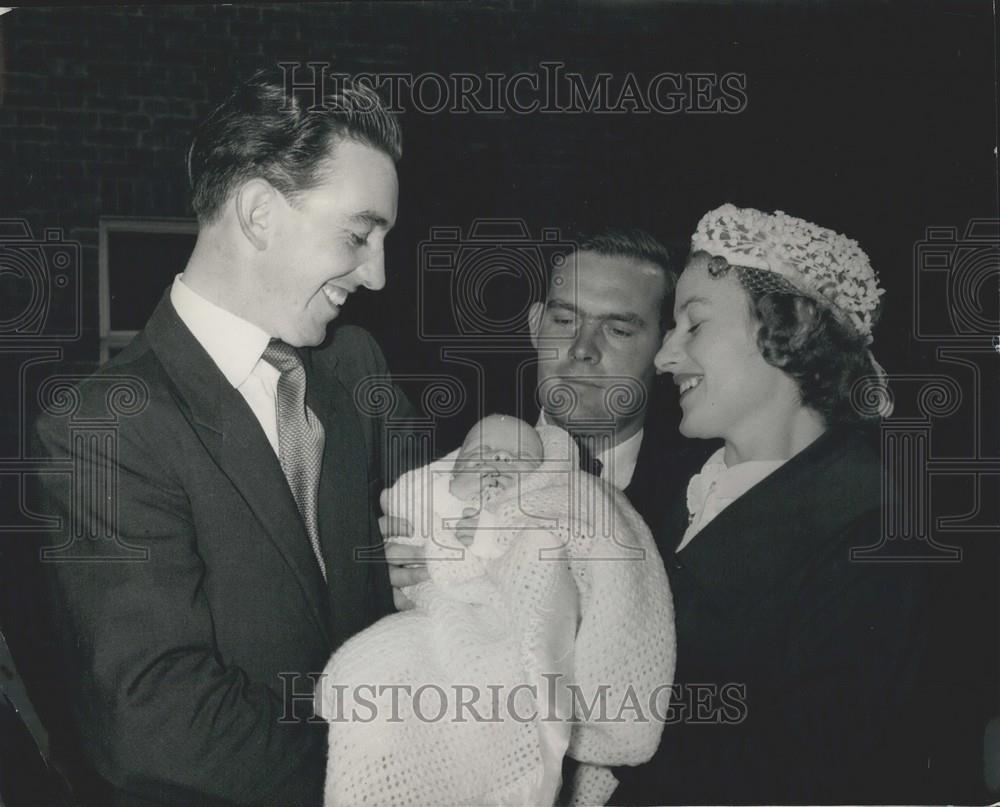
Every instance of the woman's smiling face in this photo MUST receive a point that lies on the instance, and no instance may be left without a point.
(726, 388)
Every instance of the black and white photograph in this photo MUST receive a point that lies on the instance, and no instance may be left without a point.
(499, 402)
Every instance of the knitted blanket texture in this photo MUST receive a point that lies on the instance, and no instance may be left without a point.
(552, 634)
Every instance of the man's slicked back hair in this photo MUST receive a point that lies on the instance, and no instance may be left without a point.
(283, 134)
(639, 245)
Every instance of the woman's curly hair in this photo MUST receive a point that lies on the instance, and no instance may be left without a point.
(804, 339)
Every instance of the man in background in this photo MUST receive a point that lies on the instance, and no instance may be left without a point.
(606, 310)
(607, 306)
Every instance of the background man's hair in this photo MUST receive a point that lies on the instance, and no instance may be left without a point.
(638, 245)
(283, 135)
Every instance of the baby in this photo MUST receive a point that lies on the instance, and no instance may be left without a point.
(489, 467)
(495, 451)
(518, 607)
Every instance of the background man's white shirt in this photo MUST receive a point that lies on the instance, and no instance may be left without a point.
(618, 461)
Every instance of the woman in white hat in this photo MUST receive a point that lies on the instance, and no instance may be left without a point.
(795, 661)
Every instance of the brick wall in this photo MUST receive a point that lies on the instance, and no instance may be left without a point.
(99, 105)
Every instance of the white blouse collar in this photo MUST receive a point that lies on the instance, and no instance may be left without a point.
(717, 486)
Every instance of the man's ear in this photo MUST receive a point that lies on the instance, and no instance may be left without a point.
(255, 201)
(535, 322)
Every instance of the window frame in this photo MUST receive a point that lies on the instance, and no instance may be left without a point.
(117, 339)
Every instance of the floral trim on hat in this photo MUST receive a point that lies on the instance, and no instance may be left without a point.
(823, 264)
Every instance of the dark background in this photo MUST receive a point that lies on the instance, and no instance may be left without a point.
(876, 119)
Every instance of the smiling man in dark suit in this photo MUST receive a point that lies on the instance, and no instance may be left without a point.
(250, 477)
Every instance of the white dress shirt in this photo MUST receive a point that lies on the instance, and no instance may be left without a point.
(235, 346)
(618, 462)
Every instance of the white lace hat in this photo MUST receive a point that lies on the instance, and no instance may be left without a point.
(820, 263)
(792, 254)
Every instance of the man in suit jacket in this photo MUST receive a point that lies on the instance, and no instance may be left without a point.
(606, 310)
(187, 668)
(602, 322)
(607, 307)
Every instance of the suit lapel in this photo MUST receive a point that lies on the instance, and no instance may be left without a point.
(344, 499)
(765, 535)
(232, 435)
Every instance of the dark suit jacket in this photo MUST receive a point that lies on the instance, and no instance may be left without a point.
(174, 664)
(794, 664)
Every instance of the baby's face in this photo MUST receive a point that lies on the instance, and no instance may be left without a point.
(493, 454)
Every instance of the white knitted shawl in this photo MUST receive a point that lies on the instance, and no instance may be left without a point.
(497, 633)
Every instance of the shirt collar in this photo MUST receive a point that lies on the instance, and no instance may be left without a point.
(234, 344)
(726, 483)
(618, 461)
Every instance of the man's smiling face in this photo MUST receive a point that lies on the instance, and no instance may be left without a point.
(329, 241)
(596, 336)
